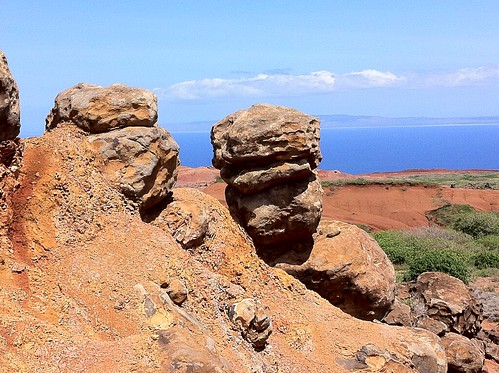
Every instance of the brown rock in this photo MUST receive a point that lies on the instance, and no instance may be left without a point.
(61, 312)
(185, 218)
(10, 122)
(283, 213)
(348, 268)
(434, 326)
(256, 179)
(448, 299)
(462, 354)
(141, 161)
(176, 290)
(97, 109)
(400, 314)
(254, 324)
(266, 134)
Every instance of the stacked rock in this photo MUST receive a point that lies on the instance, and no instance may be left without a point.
(268, 156)
(139, 157)
(10, 122)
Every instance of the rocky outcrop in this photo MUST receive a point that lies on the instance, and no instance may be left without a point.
(249, 317)
(185, 218)
(462, 354)
(93, 286)
(141, 161)
(448, 300)
(138, 157)
(97, 109)
(287, 212)
(10, 115)
(267, 155)
(347, 267)
(445, 306)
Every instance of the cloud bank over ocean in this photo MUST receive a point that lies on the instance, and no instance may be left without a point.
(286, 84)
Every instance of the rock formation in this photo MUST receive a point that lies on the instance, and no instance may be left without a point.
(445, 306)
(139, 157)
(268, 156)
(97, 109)
(10, 115)
(85, 288)
(347, 267)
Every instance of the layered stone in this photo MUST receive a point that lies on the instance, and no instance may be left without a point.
(141, 161)
(10, 114)
(96, 109)
(138, 157)
(267, 155)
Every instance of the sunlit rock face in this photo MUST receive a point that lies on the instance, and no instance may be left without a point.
(138, 157)
(268, 156)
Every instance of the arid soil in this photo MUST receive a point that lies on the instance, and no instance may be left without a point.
(376, 206)
(82, 283)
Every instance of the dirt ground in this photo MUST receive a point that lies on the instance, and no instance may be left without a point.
(378, 206)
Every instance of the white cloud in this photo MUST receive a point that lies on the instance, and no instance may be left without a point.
(259, 85)
(369, 79)
(462, 77)
(280, 84)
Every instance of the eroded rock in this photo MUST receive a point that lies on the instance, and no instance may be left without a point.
(267, 155)
(141, 161)
(10, 114)
(97, 109)
(265, 134)
(185, 218)
(283, 213)
(447, 299)
(347, 267)
(462, 354)
(251, 320)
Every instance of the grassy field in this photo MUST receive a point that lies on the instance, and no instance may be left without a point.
(479, 180)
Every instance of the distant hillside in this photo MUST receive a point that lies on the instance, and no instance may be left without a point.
(342, 121)
(336, 121)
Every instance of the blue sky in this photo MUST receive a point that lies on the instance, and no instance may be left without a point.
(207, 59)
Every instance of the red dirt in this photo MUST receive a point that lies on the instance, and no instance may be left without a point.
(380, 206)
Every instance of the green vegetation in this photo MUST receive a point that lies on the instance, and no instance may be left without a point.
(483, 180)
(465, 245)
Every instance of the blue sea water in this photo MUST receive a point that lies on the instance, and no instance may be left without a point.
(378, 149)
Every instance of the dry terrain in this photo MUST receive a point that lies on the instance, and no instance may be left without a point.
(379, 206)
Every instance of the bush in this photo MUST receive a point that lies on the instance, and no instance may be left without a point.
(486, 259)
(490, 242)
(478, 224)
(433, 260)
(395, 245)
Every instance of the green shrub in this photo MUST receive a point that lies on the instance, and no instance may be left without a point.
(486, 259)
(478, 224)
(395, 245)
(434, 260)
(490, 241)
(445, 216)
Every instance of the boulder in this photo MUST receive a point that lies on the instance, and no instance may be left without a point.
(283, 213)
(462, 354)
(10, 122)
(141, 161)
(265, 134)
(400, 314)
(185, 218)
(267, 155)
(96, 109)
(348, 268)
(251, 320)
(447, 299)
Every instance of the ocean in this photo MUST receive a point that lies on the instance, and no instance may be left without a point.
(360, 150)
